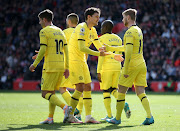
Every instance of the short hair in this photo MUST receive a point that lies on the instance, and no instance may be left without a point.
(90, 11)
(73, 17)
(108, 24)
(48, 14)
(131, 12)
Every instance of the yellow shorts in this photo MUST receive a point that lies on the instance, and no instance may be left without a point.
(51, 81)
(109, 79)
(66, 83)
(137, 76)
(79, 72)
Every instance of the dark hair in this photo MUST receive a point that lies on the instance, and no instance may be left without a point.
(108, 24)
(131, 12)
(46, 14)
(90, 11)
(73, 17)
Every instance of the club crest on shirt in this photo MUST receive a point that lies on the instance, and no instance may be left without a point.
(82, 30)
(80, 78)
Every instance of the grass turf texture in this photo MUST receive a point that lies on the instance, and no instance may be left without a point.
(24, 111)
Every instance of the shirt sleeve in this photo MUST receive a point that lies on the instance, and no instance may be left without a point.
(40, 55)
(128, 52)
(86, 50)
(100, 63)
(129, 37)
(81, 32)
(43, 37)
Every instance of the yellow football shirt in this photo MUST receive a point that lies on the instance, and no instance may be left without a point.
(54, 38)
(68, 33)
(83, 33)
(108, 63)
(134, 37)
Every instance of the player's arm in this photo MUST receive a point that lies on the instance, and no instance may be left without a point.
(38, 58)
(114, 48)
(43, 45)
(66, 56)
(97, 44)
(99, 68)
(128, 53)
(66, 72)
(83, 48)
(40, 55)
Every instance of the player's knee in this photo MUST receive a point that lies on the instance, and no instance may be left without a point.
(62, 90)
(106, 91)
(43, 94)
(87, 87)
(112, 89)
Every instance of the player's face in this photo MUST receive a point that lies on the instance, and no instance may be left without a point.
(41, 22)
(67, 23)
(125, 21)
(94, 19)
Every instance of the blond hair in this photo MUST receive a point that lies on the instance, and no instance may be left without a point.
(131, 12)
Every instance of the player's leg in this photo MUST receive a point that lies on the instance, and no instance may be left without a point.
(119, 105)
(107, 104)
(77, 79)
(105, 85)
(124, 84)
(78, 110)
(87, 101)
(65, 94)
(140, 91)
(74, 101)
(50, 81)
(49, 120)
(140, 84)
(114, 91)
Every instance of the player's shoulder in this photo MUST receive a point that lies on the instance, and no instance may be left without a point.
(68, 30)
(82, 27)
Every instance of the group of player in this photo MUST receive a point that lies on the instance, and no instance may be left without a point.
(65, 65)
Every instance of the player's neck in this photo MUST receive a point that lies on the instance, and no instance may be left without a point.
(48, 24)
(131, 24)
(89, 25)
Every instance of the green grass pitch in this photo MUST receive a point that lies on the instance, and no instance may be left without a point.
(24, 111)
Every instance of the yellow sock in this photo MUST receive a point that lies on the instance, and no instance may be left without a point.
(115, 93)
(120, 105)
(52, 108)
(80, 105)
(107, 103)
(74, 100)
(67, 97)
(54, 100)
(145, 103)
(87, 101)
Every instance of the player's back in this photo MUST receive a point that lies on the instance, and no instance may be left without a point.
(68, 32)
(134, 36)
(110, 63)
(55, 39)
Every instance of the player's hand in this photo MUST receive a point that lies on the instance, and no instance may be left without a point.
(106, 47)
(103, 49)
(66, 73)
(99, 77)
(104, 53)
(118, 57)
(31, 68)
(34, 57)
(126, 76)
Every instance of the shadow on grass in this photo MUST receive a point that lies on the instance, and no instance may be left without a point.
(113, 127)
(55, 126)
(61, 126)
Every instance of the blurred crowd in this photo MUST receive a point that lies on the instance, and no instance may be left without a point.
(19, 34)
